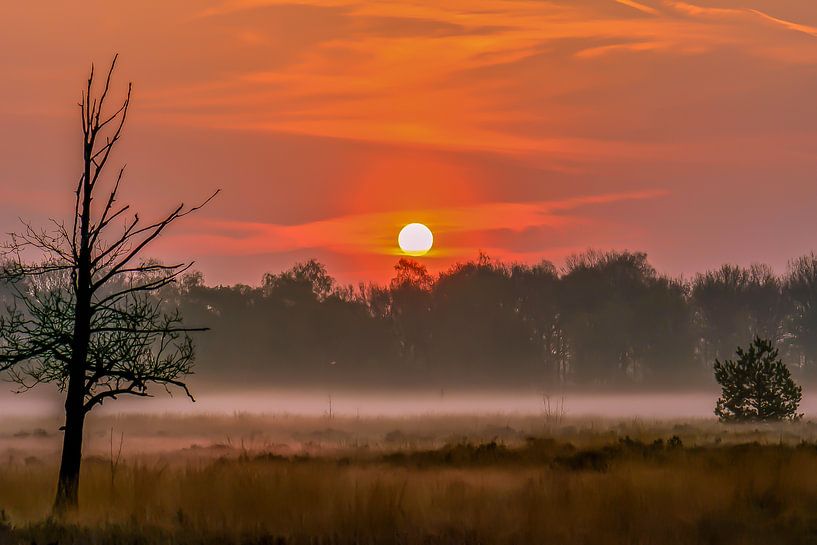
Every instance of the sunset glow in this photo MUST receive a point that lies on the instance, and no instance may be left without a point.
(485, 118)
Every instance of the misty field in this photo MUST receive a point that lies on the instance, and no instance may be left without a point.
(489, 479)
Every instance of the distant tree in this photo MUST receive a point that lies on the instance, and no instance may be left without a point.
(612, 313)
(410, 293)
(412, 275)
(757, 386)
(477, 324)
(734, 303)
(308, 280)
(663, 336)
(88, 316)
(606, 318)
(800, 289)
(537, 290)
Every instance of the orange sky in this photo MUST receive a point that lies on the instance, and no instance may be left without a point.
(528, 129)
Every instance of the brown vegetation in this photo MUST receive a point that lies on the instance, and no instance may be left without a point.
(346, 481)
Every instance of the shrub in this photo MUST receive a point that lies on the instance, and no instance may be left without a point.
(757, 386)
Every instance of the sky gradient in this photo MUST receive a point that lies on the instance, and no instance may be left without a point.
(525, 129)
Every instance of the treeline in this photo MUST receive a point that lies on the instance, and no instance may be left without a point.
(604, 319)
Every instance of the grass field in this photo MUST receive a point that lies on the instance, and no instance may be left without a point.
(488, 479)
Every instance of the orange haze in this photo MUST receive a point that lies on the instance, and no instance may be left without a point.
(523, 128)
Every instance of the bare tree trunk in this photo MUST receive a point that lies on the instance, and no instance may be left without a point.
(68, 483)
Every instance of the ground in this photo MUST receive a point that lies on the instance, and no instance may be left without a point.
(253, 479)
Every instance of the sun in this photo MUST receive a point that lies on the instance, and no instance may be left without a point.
(415, 239)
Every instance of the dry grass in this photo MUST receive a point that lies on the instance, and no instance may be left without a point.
(375, 482)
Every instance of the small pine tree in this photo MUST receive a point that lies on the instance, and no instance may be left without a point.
(757, 386)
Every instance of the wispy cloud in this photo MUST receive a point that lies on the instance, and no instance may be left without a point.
(639, 6)
(394, 71)
(601, 50)
(375, 233)
(694, 9)
(797, 27)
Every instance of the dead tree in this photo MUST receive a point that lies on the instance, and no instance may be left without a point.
(87, 312)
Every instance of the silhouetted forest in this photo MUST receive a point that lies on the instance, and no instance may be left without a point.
(603, 319)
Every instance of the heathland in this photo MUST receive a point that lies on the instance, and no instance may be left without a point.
(493, 479)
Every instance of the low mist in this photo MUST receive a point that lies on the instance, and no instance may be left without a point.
(346, 403)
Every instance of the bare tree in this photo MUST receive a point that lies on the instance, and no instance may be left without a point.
(86, 312)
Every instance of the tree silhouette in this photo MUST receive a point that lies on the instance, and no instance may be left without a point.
(609, 307)
(88, 315)
(607, 318)
(410, 309)
(800, 288)
(757, 386)
(734, 303)
(537, 292)
(310, 278)
(476, 323)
